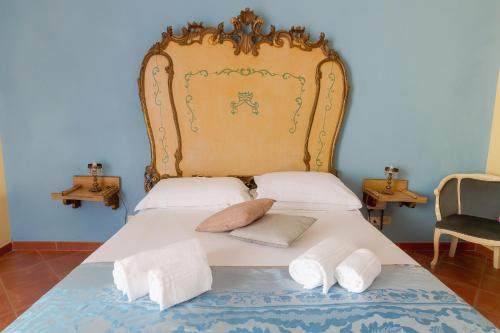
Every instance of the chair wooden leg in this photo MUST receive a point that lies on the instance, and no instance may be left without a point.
(453, 246)
(437, 235)
(496, 257)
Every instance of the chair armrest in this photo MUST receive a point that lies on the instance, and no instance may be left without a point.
(447, 197)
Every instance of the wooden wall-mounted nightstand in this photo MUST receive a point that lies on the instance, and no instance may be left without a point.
(375, 199)
(79, 192)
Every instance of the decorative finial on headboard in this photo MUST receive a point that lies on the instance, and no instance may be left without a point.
(194, 27)
(247, 33)
(247, 16)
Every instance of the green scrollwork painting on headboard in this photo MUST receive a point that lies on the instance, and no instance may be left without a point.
(157, 99)
(244, 97)
(189, 98)
(322, 133)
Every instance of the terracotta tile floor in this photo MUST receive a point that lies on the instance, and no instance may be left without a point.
(27, 275)
(471, 276)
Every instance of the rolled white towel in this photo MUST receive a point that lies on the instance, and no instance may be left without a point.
(357, 272)
(130, 274)
(119, 280)
(187, 280)
(317, 265)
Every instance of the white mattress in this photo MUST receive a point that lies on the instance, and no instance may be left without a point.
(152, 229)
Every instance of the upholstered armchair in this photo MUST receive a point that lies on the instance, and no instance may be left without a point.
(468, 207)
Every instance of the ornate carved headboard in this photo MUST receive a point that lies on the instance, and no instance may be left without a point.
(240, 102)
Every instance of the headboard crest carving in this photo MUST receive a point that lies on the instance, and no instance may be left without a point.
(240, 102)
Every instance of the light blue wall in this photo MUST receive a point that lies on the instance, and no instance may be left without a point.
(422, 72)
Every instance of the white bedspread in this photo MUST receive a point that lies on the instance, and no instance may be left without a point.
(152, 229)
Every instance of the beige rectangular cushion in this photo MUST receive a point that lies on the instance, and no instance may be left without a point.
(278, 230)
(236, 216)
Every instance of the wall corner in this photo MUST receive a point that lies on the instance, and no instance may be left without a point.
(5, 232)
(493, 162)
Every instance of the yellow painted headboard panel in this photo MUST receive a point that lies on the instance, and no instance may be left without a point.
(243, 102)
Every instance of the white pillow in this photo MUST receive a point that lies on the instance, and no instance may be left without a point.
(309, 206)
(195, 192)
(306, 186)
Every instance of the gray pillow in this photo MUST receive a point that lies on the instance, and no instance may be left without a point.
(278, 230)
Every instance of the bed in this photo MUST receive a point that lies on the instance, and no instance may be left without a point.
(245, 102)
(252, 290)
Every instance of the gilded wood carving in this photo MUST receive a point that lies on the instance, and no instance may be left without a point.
(240, 102)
